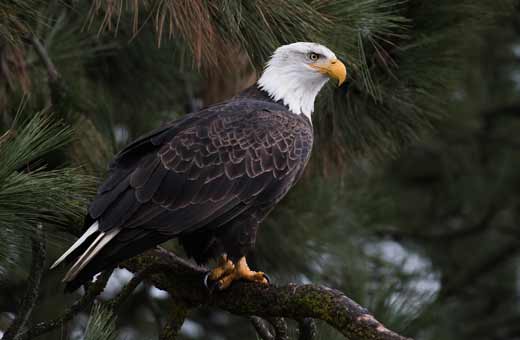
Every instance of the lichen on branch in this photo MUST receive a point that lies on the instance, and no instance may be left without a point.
(184, 282)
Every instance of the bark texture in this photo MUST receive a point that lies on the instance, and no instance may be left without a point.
(184, 282)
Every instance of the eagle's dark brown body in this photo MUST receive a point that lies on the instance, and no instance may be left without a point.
(207, 179)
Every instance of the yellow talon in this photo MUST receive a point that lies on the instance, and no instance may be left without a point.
(224, 267)
(241, 271)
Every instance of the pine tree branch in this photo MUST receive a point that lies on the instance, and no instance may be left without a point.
(101, 324)
(280, 328)
(39, 254)
(184, 282)
(308, 329)
(511, 110)
(449, 235)
(83, 303)
(7, 136)
(128, 289)
(176, 319)
(57, 87)
(262, 328)
(41, 51)
(506, 253)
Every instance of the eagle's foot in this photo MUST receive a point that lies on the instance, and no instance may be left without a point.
(224, 267)
(239, 271)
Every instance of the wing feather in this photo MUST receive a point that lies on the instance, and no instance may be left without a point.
(143, 173)
(105, 199)
(145, 192)
(170, 188)
(197, 172)
(125, 206)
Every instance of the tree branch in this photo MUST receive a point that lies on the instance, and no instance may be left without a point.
(176, 319)
(308, 329)
(184, 282)
(280, 328)
(128, 289)
(7, 136)
(262, 328)
(449, 235)
(86, 300)
(57, 86)
(39, 254)
(511, 110)
(490, 263)
(41, 51)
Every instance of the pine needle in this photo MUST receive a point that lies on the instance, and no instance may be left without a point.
(28, 193)
(101, 324)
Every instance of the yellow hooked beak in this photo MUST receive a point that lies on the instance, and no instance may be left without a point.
(332, 68)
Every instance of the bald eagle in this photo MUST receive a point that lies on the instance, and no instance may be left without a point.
(210, 177)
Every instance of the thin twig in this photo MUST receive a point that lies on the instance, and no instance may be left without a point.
(83, 303)
(127, 290)
(490, 263)
(280, 328)
(262, 328)
(57, 86)
(41, 51)
(39, 254)
(7, 136)
(175, 320)
(493, 209)
(308, 329)
(156, 311)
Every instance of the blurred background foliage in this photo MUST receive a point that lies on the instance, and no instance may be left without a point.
(411, 203)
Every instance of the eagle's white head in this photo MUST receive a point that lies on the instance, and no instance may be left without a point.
(296, 73)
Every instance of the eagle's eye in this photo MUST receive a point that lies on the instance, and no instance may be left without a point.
(314, 56)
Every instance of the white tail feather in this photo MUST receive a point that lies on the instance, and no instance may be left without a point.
(89, 254)
(93, 228)
(92, 245)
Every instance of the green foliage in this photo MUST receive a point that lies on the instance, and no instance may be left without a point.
(399, 60)
(28, 193)
(17, 18)
(101, 324)
(28, 140)
(405, 78)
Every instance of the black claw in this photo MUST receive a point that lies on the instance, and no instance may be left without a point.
(210, 284)
(206, 277)
(267, 278)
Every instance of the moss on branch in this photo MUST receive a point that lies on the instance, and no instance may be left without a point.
(184, 282)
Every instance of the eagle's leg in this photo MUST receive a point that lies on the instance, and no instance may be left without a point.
(241, 271)
(224, 267)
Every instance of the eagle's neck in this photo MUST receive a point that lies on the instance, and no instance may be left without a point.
(295, 89)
